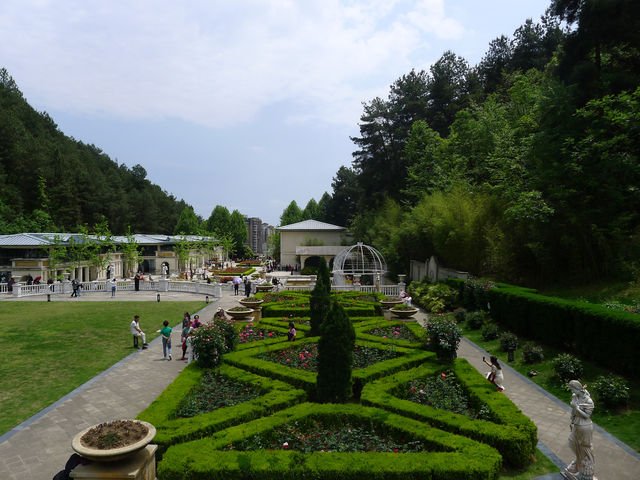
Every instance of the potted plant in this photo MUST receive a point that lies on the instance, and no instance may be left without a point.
(390, 302)
(111, 441)
(403, 310)
(264, 287)
(240, 313)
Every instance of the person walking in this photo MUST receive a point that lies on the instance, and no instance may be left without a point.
(114, 285)
(74, 287)
(166, 339)
(247, 287)
(236, 285)
(136, 282)
(136, 331)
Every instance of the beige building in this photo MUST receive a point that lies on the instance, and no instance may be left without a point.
(304, 242)
(25, 255)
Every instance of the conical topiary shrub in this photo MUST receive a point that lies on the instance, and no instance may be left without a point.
(323, 272)
(335, 356)
(320, 300)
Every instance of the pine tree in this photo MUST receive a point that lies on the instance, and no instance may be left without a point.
(335, 356)
(320, 298)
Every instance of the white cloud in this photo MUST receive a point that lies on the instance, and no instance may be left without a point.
(215, 63)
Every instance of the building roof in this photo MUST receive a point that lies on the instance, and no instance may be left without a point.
(310, 225)
(49, 239)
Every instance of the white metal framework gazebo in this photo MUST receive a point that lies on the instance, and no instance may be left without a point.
(358, 260)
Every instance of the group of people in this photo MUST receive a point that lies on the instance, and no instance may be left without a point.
(189, 326)
(405, 297)
(247, 285)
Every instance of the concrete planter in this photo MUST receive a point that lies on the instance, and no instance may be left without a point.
(404, 312)
(240, 314)
(98, 455)
(390, 302)
(263, 288)
(251, 303)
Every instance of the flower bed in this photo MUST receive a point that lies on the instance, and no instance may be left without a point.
(315, 435)
(514, 435)
(443, 391)
(397, 332)
(449, 456)
(305, 356)
(235, 271)
(215, 391)
(250, 333)
(171, 429)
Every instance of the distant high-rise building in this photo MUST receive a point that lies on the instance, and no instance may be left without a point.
(257, 234)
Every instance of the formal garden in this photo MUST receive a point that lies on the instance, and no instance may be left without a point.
(355, 395)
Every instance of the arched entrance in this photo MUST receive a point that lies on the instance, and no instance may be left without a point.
(312, 261)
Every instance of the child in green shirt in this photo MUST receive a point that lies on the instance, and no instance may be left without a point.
(166, 339)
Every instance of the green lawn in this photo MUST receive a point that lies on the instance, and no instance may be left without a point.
(624, 425)
(49, 349)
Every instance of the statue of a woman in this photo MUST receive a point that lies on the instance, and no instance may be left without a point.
(583, 466)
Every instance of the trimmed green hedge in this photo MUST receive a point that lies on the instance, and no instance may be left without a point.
(415, 328)
(306, 380)
(278, 310)
(171, 430)
(606, 336)
(513, 434)
(451, 456)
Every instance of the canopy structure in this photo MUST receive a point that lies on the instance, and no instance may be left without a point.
(358, 260)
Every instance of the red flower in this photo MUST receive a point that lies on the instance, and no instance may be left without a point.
(395, 450)
(443, 375)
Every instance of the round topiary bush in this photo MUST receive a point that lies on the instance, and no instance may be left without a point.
(212, 340)
(490, 331)
(475, 320)
(444, 337)
(532, 353)
(567, 367)
(460, 314)
(508, 341)
(612, 392)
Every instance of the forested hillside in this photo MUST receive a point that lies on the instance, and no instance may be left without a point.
(50, 182)
(524, 167)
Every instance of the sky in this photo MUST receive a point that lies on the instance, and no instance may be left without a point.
(248, 104)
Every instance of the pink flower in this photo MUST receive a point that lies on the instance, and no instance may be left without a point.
(395, 450)
(285, 445)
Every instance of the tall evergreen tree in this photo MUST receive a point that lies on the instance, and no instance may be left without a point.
(335, 356)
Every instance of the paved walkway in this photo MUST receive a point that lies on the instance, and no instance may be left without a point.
(38, 448)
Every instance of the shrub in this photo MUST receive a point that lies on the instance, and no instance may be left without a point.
(319, 305)
(335, 356)
(309, 271)
(475, 294)
(567, 367)
(508, 341)
(460, 314)
(434, 297)
(445, 337)
(490, 331)
(476, 319)
(611, 391)
(212, 340)
(532, 353)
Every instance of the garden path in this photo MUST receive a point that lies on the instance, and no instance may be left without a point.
(614, 459)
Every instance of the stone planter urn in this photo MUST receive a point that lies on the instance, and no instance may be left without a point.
(98, 454)
(404, 312)
(390, 302)
(251, 302)
(264, 287)
(240, 313)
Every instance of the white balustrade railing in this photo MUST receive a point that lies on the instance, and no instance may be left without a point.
(212, 289)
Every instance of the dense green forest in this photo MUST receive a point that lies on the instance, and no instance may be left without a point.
(50, 182)
(524, 167)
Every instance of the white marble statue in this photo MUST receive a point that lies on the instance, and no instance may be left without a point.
(583, 466)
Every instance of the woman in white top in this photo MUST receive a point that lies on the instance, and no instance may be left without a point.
(495, 376)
